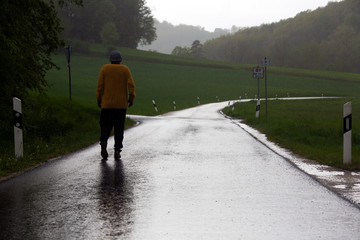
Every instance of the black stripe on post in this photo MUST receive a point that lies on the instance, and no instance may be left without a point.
(347, 123)
(257, 107)
(17, 120)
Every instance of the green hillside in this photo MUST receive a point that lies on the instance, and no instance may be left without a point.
(167, 78)
(327, 38)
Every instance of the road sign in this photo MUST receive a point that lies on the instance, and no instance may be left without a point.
(266, 62)
(258, 72)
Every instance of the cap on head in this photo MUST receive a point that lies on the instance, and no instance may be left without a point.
(115, 56)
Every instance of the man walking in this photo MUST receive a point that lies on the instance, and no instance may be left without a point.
(115, 92)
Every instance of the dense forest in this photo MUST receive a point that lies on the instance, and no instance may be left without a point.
(126, 23)
(327, 38)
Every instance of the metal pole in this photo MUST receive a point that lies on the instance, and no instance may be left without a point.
(68, 55)
(258, 89)
(69, 81)
(265, 65)
(266, 92)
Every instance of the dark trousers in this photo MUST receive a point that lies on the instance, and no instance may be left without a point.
(112, 118)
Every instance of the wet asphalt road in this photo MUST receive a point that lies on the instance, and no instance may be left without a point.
(191, 174)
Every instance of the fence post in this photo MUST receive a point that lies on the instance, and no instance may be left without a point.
(347, 123)
(18, 135)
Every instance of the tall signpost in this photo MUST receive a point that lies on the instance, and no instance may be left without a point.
(266, 63)
(258, 72)
(67, 54)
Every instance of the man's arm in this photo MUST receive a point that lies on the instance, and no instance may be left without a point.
(100, 88)
(131, 89)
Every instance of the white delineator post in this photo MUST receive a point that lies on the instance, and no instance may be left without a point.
(155, 107)
(347, 132)
(18, 135)
(174, 105)
(258, 109)
(198, 100)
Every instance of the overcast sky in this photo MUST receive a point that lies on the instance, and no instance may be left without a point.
(212, 14)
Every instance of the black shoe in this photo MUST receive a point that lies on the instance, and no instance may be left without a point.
(104, 153)
(117, 155)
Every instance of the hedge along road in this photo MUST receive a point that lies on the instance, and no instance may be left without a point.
(190, 174)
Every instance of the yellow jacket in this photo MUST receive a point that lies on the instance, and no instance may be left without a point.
(115, 86)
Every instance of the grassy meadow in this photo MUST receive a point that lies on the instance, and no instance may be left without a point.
(166, 78)
(53, 124)
(310, 128)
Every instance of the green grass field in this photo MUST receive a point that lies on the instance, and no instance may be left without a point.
(165, 79)
(183, 80)
(310, 128)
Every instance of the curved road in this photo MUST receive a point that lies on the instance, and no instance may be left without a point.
(190, 174)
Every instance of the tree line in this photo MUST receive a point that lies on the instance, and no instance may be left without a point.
(126, 23)
(327, 38)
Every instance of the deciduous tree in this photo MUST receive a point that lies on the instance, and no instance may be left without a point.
(29, 34)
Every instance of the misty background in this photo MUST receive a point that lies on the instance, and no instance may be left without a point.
(327, 38)
(169, 36)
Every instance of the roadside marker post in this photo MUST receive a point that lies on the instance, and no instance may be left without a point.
(198, 100)
(18, 135)
(347, 123)
(174, 105)
(258, 109)
(155, 107)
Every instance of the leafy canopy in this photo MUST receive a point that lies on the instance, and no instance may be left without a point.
(126, 23)
(29, 34)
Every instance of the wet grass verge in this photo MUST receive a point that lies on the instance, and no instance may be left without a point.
(310, 128)
(51, 127)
